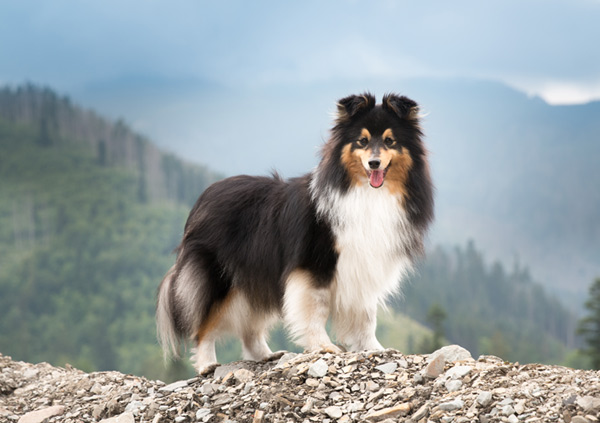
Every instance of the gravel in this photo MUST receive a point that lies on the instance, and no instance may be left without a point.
(377, 386)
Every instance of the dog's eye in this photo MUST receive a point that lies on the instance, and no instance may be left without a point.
(389, 142)
(362, 142)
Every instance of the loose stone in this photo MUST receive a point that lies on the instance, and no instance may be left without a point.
(318, 369)
(174, 386)
(453, 385)
(458, 372)
(387, 368)
(334, 412)
(452, 353)
(484, 398)
(456, 404)
(435, 367)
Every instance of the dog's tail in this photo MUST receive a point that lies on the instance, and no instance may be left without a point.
(183, 301)
(166, 329)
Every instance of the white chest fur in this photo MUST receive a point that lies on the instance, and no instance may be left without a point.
(372, 236)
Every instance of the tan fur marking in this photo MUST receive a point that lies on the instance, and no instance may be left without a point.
(352, 161)
(397, 175)
(388, 134)
(215, 316)
(364, 133)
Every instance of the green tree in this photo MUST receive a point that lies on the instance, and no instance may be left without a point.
(435, 318)
(589, 326)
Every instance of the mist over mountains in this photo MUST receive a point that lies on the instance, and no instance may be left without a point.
(513, 173)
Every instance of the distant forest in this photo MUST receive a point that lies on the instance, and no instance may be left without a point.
(90, 213)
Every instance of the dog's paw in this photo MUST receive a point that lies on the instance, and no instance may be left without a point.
(324, 349)
(274, 356)
(205, 369)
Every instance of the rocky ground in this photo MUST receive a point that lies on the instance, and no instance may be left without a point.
(387, 386)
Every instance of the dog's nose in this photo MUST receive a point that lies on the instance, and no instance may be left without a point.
(374, 164)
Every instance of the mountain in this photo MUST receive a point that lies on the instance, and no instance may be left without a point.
(161, 177)
(90, 212)
(513, 173)
(520, 177)
(89, 215)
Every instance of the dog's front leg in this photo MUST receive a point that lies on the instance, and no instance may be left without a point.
(306, 309)
(355, 328)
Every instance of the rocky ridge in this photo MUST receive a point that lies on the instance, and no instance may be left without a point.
(446, 386)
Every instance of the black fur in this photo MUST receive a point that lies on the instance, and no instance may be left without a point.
(250, 232)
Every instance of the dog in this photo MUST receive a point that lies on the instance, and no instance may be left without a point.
(333, 244)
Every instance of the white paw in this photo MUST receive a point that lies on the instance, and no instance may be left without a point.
(326, 348)
(205, 369)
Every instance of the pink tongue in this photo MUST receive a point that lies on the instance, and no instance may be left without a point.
(376, 178)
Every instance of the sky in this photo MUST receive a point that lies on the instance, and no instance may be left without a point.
(545, 48)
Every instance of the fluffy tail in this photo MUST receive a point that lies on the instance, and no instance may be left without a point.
(166, 330)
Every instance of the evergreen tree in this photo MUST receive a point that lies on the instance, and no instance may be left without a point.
(589, 326)
(435, 317)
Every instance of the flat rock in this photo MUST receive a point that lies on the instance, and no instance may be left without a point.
(387, 368)
(285, 358)
(420, 413)
(456, 404)
(174, 386)
(243, 375)
(458, 372)
(435, 367)
(123, 418)
(389, 413)
(589, 403)
(39, 416)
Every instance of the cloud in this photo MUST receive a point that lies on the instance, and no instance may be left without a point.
(68, 43)
(563, 92)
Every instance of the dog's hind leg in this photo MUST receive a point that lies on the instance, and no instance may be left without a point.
(306, 309)
(205, 355)
(254, 345)
(254, 340)
(250, 324)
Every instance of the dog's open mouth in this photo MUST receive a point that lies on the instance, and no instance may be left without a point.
(376, 177)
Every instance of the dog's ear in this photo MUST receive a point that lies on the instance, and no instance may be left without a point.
(350, 106)
(401, 106)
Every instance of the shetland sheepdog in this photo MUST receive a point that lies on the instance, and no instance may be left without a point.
(333, 244)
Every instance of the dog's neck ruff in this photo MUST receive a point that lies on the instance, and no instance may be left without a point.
(373, 237)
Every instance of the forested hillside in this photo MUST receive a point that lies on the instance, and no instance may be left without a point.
(50, 121)
(90, 213)
(489, 309)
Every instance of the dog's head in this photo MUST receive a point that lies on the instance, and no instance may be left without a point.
(378, 143)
